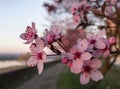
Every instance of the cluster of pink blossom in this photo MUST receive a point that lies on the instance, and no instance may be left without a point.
(80, 9)
(82, 58)
(38, 56)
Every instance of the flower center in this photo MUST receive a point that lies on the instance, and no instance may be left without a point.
(77, 55)
(51, 38)
(87, 68)
(92, 41)
(39, 56)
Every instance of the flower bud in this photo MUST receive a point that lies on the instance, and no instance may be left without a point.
(64, 61)
(112, 40)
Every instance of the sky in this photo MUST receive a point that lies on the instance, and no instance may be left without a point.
(15, 15)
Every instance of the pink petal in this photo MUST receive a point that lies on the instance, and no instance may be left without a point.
(76, 18)
(84, 78)
(43, 56)
(100, 44)
(82, 45)
(112, 40)
(32, 61)
(29, 40)
(90, 36)
(64, 61)
(22, 36)
(106, 53)
(40, 66)
(57, 37)
(86, 56)
(67, 56)
(73, 50)
(74, 8)
(96, 75)
(29, 29)
(33, 48)
(90, 47)
(98, 53)
(39, 45)
(76, 66)
(100, 34)
(95, 63)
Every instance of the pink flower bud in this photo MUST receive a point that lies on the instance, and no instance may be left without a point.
(64, 61)
(69, 64)
(112, 40)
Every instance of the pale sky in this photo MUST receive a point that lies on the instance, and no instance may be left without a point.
(15, 15)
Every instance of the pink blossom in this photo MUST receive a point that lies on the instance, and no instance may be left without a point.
(103, 52)
(53, 34)
(112, 40)
(98, 44)
(89, 70)
(38, 56)
(111, 2)
(79, 10)
(67, 58)
(80, 54)
(74, 8)
(29, 34)
(76, 18)
(109, 10)
(95, 40)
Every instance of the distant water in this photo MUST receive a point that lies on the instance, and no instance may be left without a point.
(8, 63)
(12, 63)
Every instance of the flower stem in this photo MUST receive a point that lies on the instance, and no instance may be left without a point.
(62, 45)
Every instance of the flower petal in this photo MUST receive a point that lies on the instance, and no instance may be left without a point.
(82, 45)
(96, 75)
(91, 36)
(112, 40)
(97, 53)
(100, 34)
(32, 61)
(22, 36)
(28, 30)
(43, 56)
(100, 44)
(39, 44)
(76, 66)
(86, 56)
(33, 48)
(106, 53)
(84, 78)
(95, 63)
(29, 41)
(73, 49)
(40, 66)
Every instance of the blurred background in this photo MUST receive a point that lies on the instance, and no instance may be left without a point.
(14, 73)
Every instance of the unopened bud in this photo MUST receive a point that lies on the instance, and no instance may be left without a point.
(112, 40)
